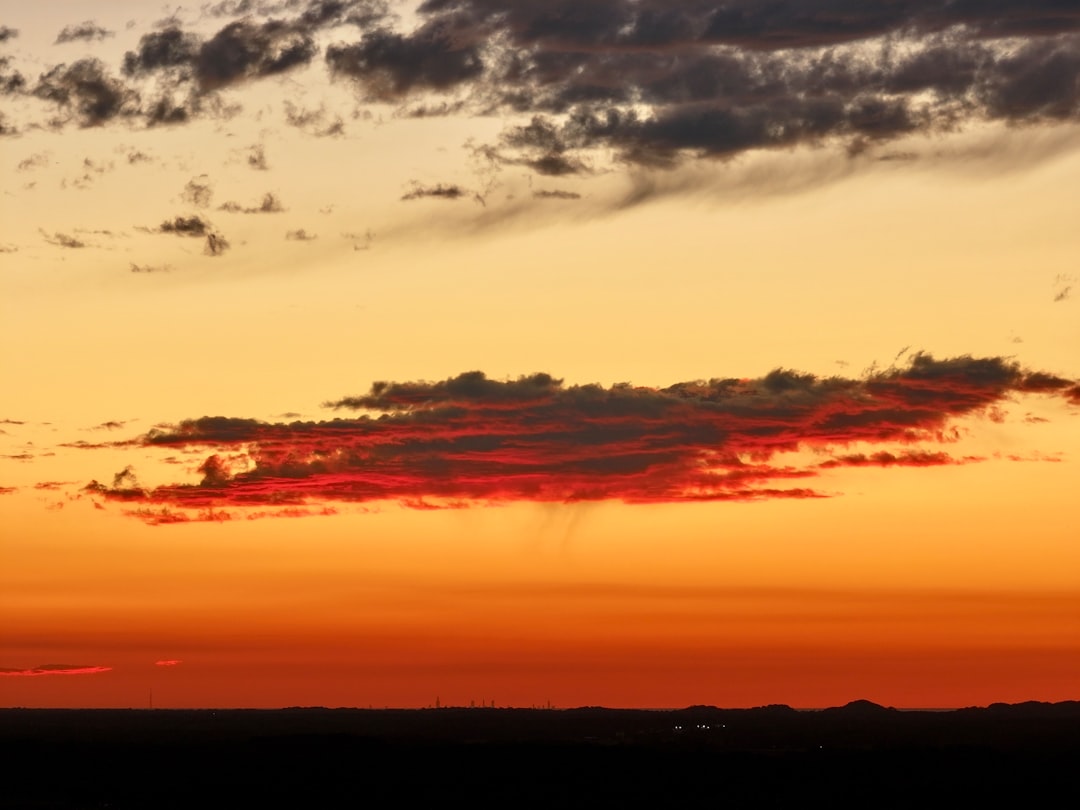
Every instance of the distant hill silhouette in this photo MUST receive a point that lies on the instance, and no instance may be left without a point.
(860, 708)
(857, 755)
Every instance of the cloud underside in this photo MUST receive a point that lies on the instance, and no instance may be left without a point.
(651, 82)
(54, 669)
(470, 439)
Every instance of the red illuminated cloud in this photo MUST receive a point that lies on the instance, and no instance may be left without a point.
(54, 669)
(473, 439)
(169, 662)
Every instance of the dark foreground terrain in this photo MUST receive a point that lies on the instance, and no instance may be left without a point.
(860, 755)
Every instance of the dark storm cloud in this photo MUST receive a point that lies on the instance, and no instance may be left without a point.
(235, 8)
(315, 13)
(1037, 81)
(360, 13)
(390, 65)
(165, 110)
(555, 165)
(88, 31)
(474, 439)
(651, 82)
(662, 81)
(12, 81)
(240, 51)
(7, 33)
(88, 91)
(569, 25)
(168, 49)
(245, 50)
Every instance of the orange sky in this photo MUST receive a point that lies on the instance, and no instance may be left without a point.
(890, 516)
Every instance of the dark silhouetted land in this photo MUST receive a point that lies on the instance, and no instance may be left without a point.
(859, 755)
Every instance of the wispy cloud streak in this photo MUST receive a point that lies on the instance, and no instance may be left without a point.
(54, 669)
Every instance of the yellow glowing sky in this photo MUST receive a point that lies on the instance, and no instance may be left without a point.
(936, 586)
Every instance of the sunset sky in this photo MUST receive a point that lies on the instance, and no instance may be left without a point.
(636, 353)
